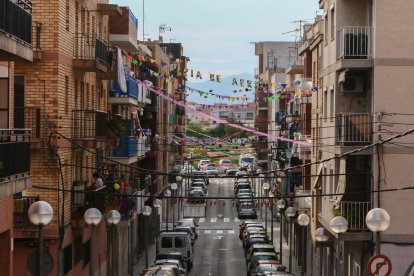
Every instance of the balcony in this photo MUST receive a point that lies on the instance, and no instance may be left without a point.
(85, 197)
(123, 30)
(127, 150)
(144, 95)
(354, 129)
(15, 31)
(355, 213)
(91, 54)
(116, 96)
(89, 127)
(30, 118)
(354, 47)
(21, 206)
(302, 200)
(14, 161)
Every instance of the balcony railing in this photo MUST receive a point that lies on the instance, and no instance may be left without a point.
(354, 128)
(21, 205)
(29, 118)
(15, 21)
(355, 213)
(132, 89)
(355, 42)
(86, 197)
(128, 147)
(89, 124)
(14, 151)
(302, 201)
(88, 47)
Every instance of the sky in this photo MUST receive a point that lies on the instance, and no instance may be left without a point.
(217, 34)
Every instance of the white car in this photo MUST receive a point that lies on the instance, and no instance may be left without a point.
(241, 173)
(223, 165)
(203, 163)
(212, 170)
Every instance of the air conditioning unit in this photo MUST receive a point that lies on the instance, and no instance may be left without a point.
(352, 84)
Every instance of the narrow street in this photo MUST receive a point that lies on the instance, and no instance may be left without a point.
(218, 250)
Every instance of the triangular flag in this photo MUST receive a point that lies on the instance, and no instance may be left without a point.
(232, 99)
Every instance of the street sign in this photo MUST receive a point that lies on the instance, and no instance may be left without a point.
(379, 265)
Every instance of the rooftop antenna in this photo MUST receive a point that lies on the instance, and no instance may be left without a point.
(162, 29)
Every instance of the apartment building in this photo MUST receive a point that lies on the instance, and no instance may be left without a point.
(364, 55)
(274, 59)
(15, 45)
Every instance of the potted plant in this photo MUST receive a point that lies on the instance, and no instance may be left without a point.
(116, 129)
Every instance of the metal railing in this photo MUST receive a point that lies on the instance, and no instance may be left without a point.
(355, 213)
(128, 147)
(355, 42)
(15, 21)
(88, 197)
(14, 151)
(89, 47)
(354, 128)
(21, 206)
(29, 118)
(89, 124)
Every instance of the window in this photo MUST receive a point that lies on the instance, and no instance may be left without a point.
(4, 103)
(78, 249)
(166, 242)
(179, 242)
(66, 94)
(325, 104)
(326, 21)
(67, 15)
(332, 23)
(249, 115)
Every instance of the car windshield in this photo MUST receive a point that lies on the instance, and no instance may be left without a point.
(247, 160)
(265, 257)
(185, 223)
(211, 168)
(247, 205)
(225, 162)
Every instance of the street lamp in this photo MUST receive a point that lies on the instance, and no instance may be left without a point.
(146, 211)
(113, 217)
(281, 207)
(261, 176)
(339, 225)
(378, 220)
(40, 213)
(157, 205)
(179, 180)
(321, 235)
(291, 213)
(167, 194)
(174, 187)
(92, 217)
(303, 220)
(266, 187)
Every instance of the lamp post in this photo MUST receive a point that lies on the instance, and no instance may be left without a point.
(179, 180)
(303, 221)
(266, 187)
(157, 205)
(113, 217)
(173, 189)
(378, 220)
(146, 211)
(321, 235)
(261, 176)
(92, 217)
(281, 207)
(339, 225)
(167, 194)
(40, 213)
(291, 213)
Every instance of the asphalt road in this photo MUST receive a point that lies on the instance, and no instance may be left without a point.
(218, 250)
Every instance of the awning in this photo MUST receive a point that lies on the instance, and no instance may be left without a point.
(145, 49)
(316, 182)
(340, 189)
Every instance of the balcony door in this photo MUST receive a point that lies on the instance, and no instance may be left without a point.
(19, 88)
(4, 103)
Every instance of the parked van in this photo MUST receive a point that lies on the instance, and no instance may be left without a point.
(177, 241)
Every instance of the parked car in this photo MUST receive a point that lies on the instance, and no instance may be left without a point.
(199, 174)
(259, 248)
(241, 173)
(211, 170)
(160, 270)
(245, 224)
(177, 241)
(189, 222)
(203, 163)
(180, 269)
(173, 256)
(254, 240)
(224, 164)
(246, 210)
(187, 230)
(231, 171)
(199, 184)
(242, 186)
(197, 196)
(268, 268)
(259, 256)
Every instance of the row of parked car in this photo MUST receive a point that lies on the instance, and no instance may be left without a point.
(175, 250)
(198, 188)
(245, 202)
(261, 256)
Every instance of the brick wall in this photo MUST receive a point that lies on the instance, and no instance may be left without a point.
(6, 233)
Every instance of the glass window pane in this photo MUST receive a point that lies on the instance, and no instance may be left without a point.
(166, 242)
(4, 93)
(179, 242)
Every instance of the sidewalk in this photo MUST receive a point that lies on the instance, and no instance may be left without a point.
(140, 265)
